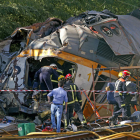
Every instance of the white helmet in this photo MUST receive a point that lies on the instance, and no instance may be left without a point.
(53, 65)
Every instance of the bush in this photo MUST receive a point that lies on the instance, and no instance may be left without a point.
(20, 13)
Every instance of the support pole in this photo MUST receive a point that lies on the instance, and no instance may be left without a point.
(138, 84)
(94, 94)
(110, 82)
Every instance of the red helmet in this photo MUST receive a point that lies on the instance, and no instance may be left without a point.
(126, 73)
(68, 76)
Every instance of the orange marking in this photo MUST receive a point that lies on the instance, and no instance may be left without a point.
(135, 108)
(68, 57)
(113, 27)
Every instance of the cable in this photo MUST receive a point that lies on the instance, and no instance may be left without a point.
(96, 124)
(122, 134)
(51, 134)
(106, 130)
(55, 134)
(130, 125)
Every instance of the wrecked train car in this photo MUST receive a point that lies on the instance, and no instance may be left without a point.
(98, 39)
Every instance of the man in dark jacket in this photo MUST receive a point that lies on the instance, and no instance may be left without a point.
(74, 101)
(122, 99)
(42, 76)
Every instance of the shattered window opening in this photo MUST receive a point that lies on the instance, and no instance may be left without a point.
(107, 31)
(64, 68)
(115, 29)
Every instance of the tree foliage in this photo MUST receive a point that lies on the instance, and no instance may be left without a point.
(20, 13)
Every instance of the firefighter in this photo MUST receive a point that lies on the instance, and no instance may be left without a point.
(74, 102)
(122, 99)
(133, 104)
(54, 80)
(43, 76)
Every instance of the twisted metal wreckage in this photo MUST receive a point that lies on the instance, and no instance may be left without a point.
(98, 39)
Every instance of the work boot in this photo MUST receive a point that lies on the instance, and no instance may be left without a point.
(68, 128)
(74, 127)
(54, 130)
(115, 122)
(125, 118)
(113, 119)
(85, 126)
(133, 118)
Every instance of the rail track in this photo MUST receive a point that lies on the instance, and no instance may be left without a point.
(93, 132)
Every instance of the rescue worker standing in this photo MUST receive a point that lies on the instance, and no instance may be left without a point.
(59, 95)
(74, 101)
(122, 99)
(43, 76)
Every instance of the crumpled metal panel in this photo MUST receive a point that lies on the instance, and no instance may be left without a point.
(25, 35)
(82, 35)
(10, 99)
(5, 59)
(118, 43)
(17, 78)
(51, 41)
(32, 32)
(69, 34)
(88, 42)
(98, 13)
(5, 45)
(132, 26)
(40, 29)
(27, 110)
(87, 38)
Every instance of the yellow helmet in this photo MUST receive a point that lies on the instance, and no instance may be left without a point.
(61, 77)
(120, 74)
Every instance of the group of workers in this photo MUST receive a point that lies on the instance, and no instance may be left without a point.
(66, 98)
(122, 100)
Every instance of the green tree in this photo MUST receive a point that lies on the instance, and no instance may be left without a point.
(20, 13)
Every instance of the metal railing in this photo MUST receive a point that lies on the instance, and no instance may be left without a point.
(111, 69)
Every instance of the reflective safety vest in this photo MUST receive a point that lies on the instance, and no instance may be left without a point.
(56, 81)
(73, 94)
(120, 86)
(73, 91)
(118, 83)
(80, 101)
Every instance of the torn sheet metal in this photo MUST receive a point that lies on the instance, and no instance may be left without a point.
(115, 37)
(132, 26)
(90, 39)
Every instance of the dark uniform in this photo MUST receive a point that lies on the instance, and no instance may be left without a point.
(122, 99)
(74, 103)
(54, 80)
(78, 110)
(43, 76)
